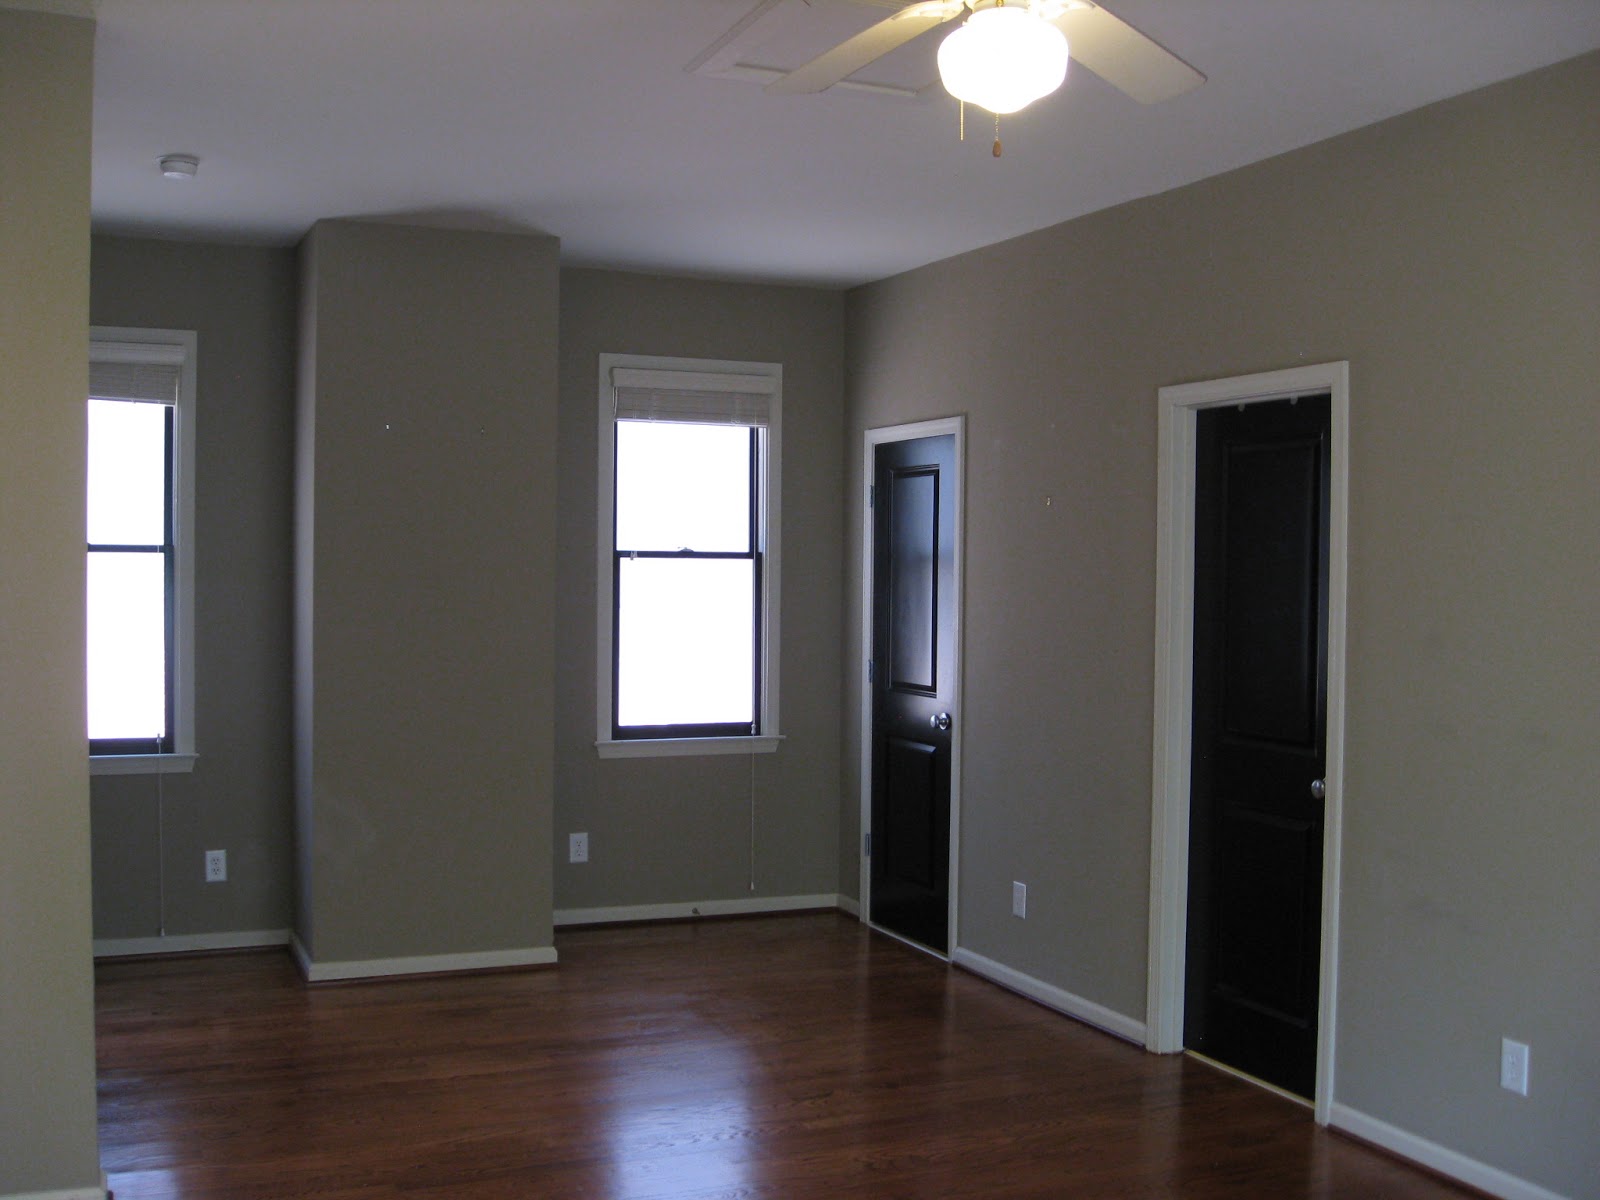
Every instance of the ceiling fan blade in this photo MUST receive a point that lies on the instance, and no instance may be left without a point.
(1124, 57)
(868, 46)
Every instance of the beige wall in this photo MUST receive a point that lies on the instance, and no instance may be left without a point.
(678, 829)
(47, 1099)
(240, 301)
(427, 548)
(1453, 257)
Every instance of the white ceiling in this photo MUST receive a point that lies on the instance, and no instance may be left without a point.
(578, 118)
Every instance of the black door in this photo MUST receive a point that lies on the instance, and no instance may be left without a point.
(913, 659)
(1260, 687)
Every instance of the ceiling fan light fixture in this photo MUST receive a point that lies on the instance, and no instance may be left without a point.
(1003, 59)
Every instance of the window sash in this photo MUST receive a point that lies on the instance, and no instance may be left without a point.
(670, 510)
(752, 728)
(689, 729)
(167, 549)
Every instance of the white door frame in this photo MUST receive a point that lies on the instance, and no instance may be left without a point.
(875, 437)
(1169, 827)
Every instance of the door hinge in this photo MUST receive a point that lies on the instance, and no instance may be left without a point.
(866, 844)
(871, 672)
(872, 496)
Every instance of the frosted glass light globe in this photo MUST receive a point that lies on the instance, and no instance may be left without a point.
(1003, 59)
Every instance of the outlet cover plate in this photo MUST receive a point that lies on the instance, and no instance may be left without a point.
(216, 866)
(577, 847)
(1514, 1066)
(1019, 900)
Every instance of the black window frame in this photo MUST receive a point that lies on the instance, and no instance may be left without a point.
(167, 742)
(754, 552)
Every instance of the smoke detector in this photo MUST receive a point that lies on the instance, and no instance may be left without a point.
(179, 166)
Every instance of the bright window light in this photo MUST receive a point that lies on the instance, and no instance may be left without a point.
(128, 571)
(683, 487)
(127, 473)
(686, 640)
(686, 577)
(127, 646)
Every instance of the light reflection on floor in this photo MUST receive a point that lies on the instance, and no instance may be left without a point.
(683, 1118)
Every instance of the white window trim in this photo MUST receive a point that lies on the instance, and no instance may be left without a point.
(170, 347)
(703, 373)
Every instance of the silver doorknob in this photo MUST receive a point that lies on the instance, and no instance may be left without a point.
(1319, 789)
(940, 720)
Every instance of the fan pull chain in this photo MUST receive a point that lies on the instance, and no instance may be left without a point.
(997, 135)
(961, 121)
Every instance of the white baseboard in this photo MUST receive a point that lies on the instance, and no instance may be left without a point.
(188, 943)
(421, 964)
(1436, 1157)
(1051, 996)
(693, 908)
(850, 905)
(88, 1193)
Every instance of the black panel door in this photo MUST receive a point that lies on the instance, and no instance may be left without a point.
(1260, 686)
(913, 647)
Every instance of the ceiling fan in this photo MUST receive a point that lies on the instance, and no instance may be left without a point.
(1108, 46)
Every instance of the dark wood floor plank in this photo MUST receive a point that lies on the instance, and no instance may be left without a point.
(791, 1057)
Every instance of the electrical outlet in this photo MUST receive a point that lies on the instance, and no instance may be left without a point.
(216, 866)
(577, 847)
(1514, 1066)
(1019, 900)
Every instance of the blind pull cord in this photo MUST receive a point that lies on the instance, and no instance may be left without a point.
(161, 846)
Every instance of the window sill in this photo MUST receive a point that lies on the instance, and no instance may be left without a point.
(686, 747)
(141, 764)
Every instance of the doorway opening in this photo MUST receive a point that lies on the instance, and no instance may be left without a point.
(1180, 407)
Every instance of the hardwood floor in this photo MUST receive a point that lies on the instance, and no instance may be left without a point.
(788, 1057)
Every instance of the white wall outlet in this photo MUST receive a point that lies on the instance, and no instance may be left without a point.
(1514, 1066)
(216, 866)
(577, 847)
(1019, 899)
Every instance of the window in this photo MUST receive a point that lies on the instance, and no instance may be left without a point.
(688, 570)
(139, 575)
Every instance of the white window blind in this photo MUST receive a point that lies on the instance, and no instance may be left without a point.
(693, 397)
(134, 371)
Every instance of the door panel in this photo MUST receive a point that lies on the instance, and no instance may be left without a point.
(1260, 681)
(913, 581)
(910, 828)
(1270, 546)
(1269, 863)
(913, 643)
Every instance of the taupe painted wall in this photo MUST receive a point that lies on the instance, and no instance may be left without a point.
(241, 302)
(664, 830)
(668, 830)
(47, 1098)
(428, 458)
(1452, 256)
